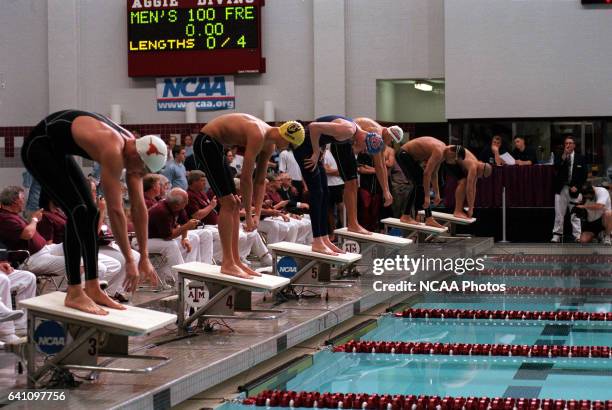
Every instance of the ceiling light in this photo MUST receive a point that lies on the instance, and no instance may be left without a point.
(423, 86)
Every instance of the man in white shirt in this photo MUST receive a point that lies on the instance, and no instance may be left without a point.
(598, 209)
(288, 164)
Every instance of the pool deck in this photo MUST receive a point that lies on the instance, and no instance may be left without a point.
(208, 359)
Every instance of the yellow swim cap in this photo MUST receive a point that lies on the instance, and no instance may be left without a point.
(293, 132)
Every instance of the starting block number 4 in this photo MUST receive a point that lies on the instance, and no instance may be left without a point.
(351, 246)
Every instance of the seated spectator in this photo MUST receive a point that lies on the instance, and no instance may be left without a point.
(151, 185)
(229, 157)
(18, 234)
(273, 231)
(204, 209)
(288, 192)
(272, 225)
(13, 322)
(492, 153)
(288, 164)
(169, 238)
(175, 169)
(52, 227)
(523, 154)
(301, 226)
(598, 218)
(238, 160)
(164, 186)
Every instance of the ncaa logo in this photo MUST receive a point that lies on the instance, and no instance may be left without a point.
(351, 246)
(50, 337)
(286, 267)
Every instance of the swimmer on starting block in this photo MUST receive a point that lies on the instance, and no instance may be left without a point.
(335, 130)
(48, 154)
(259, 140)
(344, 154)
(409, 157)
(467, 171)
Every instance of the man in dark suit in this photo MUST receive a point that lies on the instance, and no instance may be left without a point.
(522, 153)
(571, 173)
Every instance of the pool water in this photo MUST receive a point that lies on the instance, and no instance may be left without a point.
(543, 282)
(456, 376)
(491, 376)
(579, 333)
(502, 302)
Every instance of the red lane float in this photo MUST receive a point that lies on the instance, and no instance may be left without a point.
(502, 314)
(474, 349)
(540, 273)
(598, 259)
(530, 290)
(292, 399)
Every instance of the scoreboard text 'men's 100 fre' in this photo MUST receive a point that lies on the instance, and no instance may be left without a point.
(192, 37)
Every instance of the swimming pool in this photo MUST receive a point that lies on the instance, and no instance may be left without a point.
(578, 333)
(455, 376)
(517, 302)
(471, 370)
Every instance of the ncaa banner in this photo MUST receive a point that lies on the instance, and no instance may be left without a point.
(210, 93)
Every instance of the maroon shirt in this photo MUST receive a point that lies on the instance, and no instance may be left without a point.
(150, 202)
(274, 196)
(11, 227)
(162, 220)
(52, 226)
(197, 201)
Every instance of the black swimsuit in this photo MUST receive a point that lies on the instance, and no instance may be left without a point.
(316, 180)
(48, 154)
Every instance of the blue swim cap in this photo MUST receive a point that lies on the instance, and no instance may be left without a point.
(374, 143)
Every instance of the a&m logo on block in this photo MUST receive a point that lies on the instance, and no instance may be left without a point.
(351, 246)
(287, 267)
(197, 294)
(50, 337)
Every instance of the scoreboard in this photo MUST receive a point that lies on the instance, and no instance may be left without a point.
(193, 37)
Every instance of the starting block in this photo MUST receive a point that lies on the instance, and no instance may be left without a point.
(379, 245)
(414, 230)
(87, 336)
(449, 220)
(223, 295)
(306, 268)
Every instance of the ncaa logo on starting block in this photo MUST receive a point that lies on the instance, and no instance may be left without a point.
(351, 246)
(287, 267)
(50, 337)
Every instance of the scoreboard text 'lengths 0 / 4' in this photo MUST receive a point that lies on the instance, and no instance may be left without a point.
(194, 37)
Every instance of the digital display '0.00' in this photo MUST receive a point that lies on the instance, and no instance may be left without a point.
(204, 28)
(194, 37)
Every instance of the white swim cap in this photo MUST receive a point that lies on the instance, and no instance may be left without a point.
(152, 151)
(396, 133)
